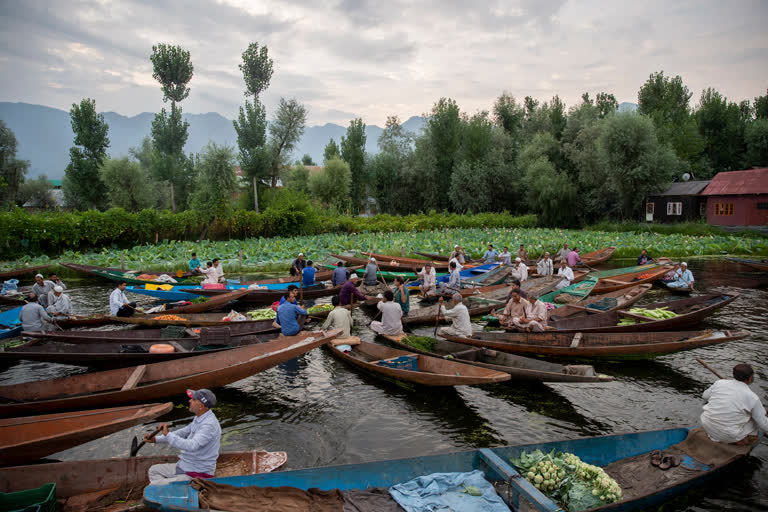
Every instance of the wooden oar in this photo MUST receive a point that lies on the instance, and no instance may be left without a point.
(437, 319)
(136, 446)
(705, 365)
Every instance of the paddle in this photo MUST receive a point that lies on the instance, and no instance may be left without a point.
(705, 365)
(437, 318)
(136, 446)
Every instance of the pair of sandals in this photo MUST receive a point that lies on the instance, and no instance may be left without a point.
(664, 461)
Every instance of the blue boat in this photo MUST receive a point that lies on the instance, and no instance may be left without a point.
(10, 325)
(469, 273)
(493, 462)
(174, 294)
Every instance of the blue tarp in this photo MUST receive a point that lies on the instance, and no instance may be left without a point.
(443, 492)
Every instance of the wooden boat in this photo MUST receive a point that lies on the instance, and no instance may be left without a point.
(432, 371)
(7, 274)
(402, 260)
(151, 381)
(691, 310)
(267, 296)
(24, 440)
(610, 301)
(132, 278)
(464, 292)
(13, 300)
(413, 266)
(574, 292)
(477, 305)
(321, 275)
(121, 354)
(190, 320)
(596, 257)
(83, 482)
(520, 368)
(755, 264)
(218, 301)
(619, 282)
(606, 345)
(10, 325)
(664, 283)
(628, 270)
(466, 273)
(498, 275)
(87, 320)
(431, 256)
(177, 293)
(616, 453)
(91, 269)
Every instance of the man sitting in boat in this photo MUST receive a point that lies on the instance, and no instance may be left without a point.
(573, 257)
(455, 260)
(535, 319)
(505, 257)
(683, 278)
(520, 271)
(339, 318)
(211, 274)
(41, 288)
(369, 278)
(308, 274)
(199, 443)
(194, 265)
(565, 273)
(219, 270)
(644, 259)
(545, 267)
(391, 316)
(33, 316)
(733, 412)
(515, 309)
(350, 290)
(454, 281)
(287, 315)
(522, 253)
(427, 280)
(490, 255)
(562, 254)
(514, 286)
(340, 274)
(298, 265)
(459, 254)
(459, 315)
(59, 305)
(118, 302)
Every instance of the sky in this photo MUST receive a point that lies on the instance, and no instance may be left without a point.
(372, 59)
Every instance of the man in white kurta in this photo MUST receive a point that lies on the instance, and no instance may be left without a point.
(219, 270)
(562, 253)
(683, 277)
(733, 412)
(211, 274)
(59, 305)
(535, 319)
(391, 316)
(459, 315)
(565, 273)
(545, 267)
(521, 270)
(428, 279)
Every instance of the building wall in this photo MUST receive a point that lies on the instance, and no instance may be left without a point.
(746, 210)
(691, 208)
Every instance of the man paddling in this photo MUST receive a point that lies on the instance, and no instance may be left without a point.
(33, 316)
(199, 443)
(118, 302)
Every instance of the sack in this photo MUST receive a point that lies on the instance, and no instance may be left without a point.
(234, 316)
(165, 278)
(10, 287)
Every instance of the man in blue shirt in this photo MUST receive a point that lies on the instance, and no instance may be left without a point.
(199, 443)
(287, 315)
(194, 264)
(490, 255)
(683, 278)
(309, 274)
(340, 274)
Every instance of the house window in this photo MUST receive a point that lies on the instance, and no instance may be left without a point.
(649, 207)
(723, 208)
(762, 206)
(674, 208)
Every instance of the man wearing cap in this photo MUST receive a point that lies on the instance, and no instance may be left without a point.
(520, 272)
(427, 280)
(59, 305)
(459, 315)
(565, 273)
(683, 278)
(199, 443)
(459, 254)
(298, 265)
(369, 278)
(41, 288)
(350, 290)
(33, 316)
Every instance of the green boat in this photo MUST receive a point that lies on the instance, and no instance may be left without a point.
(130, 278)
(386, 274)
(578, 290)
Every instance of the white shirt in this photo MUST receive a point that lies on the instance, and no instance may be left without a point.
(732, 412)
(537, 310)
(506, 258)
(117, 299)
(545, 267)
(339, 318)
(199, 444)
(211, 275)
(459, 315)
(430, 278)
(219, 271)
(521, 270)
(391, 313)
(60, 304)
(459, 266)
(566, 273)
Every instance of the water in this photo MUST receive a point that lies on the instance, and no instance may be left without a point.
(322, 412)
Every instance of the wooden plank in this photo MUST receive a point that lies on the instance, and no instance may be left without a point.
(178, 347)
(135, 377)
(612, 281)
(576, 340)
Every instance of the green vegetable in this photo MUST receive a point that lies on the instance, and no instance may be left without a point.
(320, 308)
(425, 343)
(472, 490)
(262, 314)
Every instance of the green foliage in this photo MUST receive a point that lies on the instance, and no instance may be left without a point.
(216, 182)
(756, 137)
(257, 69)
(444, 132)
(508, 114)
(721, 124)
(83, 186)
(353, 153)
(477, 137)
(285, 132)
(12, 170)
(307, 160)
(394, 140)
(169, 135)
(331, 150)
(296, 178)
(761, 106)
(129, 186)
(38, 192)
(606, 104)
(251, 128)
(553, 193)
(332, 185)
(172, 67)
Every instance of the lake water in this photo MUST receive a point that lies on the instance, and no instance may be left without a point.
(323, 412)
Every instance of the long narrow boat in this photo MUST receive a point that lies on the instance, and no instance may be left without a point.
(467, 274)
(321, 275)
(615, 452)
(606, 345)
(134, 279)
(415, 266)
(90, 269)
(619, 282)
(18, 299)
(82, 483)
(7, 274)
(598, 256)
(10, 325)
(386, 274)
(268, 296)
(218, 301)
(151, 381)
(431, 256)
(610, 301)
(402, 260)
(431, 371)
(175, 293)
(691, 312)
(24, 440)
(191, 320)
(520, 368)
(755, 264)
(119, 355)
(477, 305)
(575, 291)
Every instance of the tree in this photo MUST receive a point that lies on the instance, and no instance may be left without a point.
(557, 117)
(353, 152)
(257, 69)
(307, 161)
(143, 153)
(216, 182)
(509, 115)
(285, 131)
(38, 193)
(297, 178)
(756, 137)
(12, 170)
(476, 137)
(83, 186)
(761, 106)
(721, 124)
(332, 185)
(128, 185)
(172, 67)
(606, 104)
(251, 129)
(444, 131)
(550, 193)
(394, 140)
(331, 150)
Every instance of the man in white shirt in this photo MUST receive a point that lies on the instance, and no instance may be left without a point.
(391, 316)
(219, 270)
(59, 305)
(339, 318)
(118, 302)
(565, 273)
(455, 260)
(211, 274)
(428, 280)
(535, 319)
(733, 412)
(520, 271)
(506, 257)
(545, 266)
(562, 253)
(459, 315)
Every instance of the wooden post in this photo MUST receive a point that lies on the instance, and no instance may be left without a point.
(241, 259)
(156, 236)
(255, 196)
(122, 261)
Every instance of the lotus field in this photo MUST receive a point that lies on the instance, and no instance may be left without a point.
(264, 254)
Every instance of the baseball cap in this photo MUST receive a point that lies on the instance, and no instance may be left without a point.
(205, 396)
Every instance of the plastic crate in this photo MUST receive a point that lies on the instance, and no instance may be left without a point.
(173, 331)
(42, 499)
(401, 363)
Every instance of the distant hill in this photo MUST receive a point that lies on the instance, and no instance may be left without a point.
(627, 107)
(44, 134)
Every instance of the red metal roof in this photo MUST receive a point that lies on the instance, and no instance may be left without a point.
(752, 181)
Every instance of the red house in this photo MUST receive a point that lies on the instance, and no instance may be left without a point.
(738, 198)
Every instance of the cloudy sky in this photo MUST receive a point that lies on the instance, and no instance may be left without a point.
(349, 58)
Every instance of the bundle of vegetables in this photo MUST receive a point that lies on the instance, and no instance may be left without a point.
(656, 314)
(565, 478)
(425, 343)
(168, 317)
(626, 321)
(320, 308)
(198, 300)
(262, 314)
